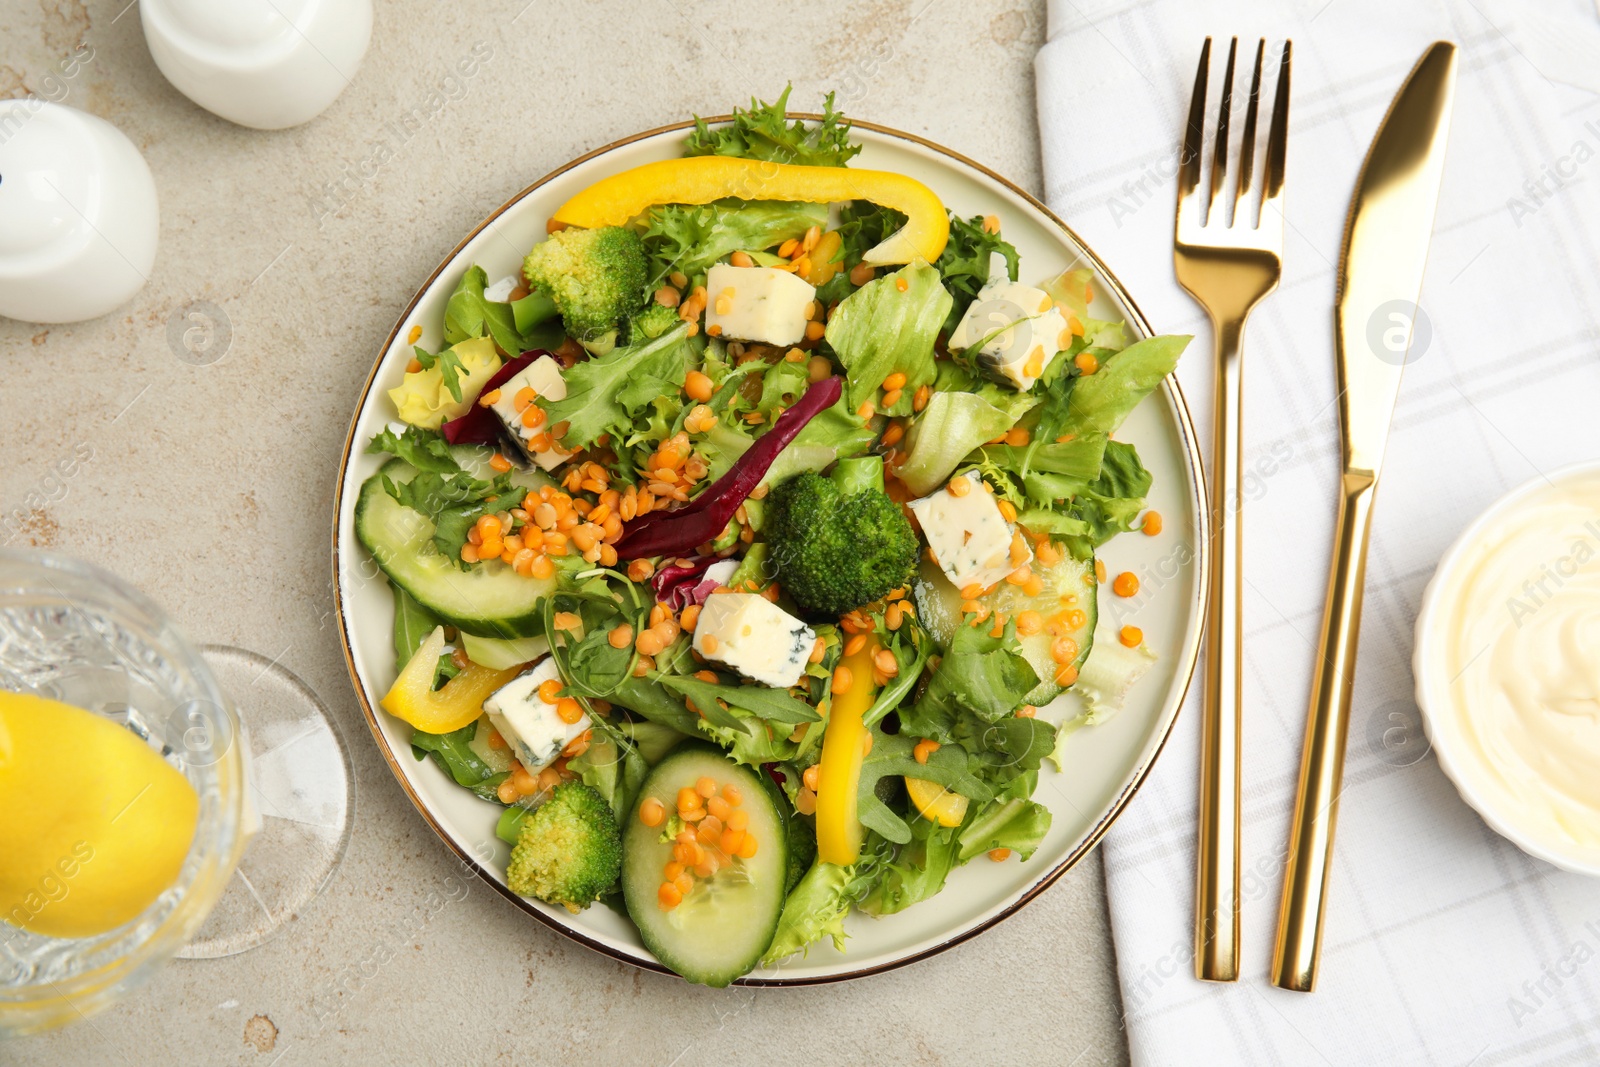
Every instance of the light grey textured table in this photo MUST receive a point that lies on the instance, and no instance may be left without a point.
(213, 492)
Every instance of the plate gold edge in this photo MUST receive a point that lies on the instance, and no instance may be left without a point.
(1188, 657)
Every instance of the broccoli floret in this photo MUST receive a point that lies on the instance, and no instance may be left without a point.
(596, 277)
(569, 851)
(836, 548)
(652, 322)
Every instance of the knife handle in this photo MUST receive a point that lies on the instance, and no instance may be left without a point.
(1216, 898)
(1316, 808)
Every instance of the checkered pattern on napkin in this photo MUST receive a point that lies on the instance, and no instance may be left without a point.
(1444, 944)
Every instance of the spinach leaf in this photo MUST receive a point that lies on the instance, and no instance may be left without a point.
(452, 752)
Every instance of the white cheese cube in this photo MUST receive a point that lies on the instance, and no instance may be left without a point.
(543, 376)
(500, 292)
(1031, 334)
(756, 304)
(755, 637)
(970, 538)
(531, 727)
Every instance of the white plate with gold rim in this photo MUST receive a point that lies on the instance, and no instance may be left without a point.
(1104, 764)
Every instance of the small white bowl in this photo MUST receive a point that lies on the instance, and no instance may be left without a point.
(1465, 768)
(268, 64)
(78, 214)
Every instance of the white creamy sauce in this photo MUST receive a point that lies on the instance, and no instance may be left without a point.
(1520, 639)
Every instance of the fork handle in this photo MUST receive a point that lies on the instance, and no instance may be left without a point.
(1216, 921)
(1316, 808)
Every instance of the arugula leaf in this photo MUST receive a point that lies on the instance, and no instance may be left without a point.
(774, 705)
(449, 364)
(889, 325)
(762, 133)
(964, 263)
(651, 701)
(423, 449)
(1006, 749)
(979, 675)
(604, 394)
(691, 237)
(891, 754)
(453, 753)
(452, 502)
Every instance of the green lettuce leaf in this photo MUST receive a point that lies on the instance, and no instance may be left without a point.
(1011, 821)
(964, 263)
(1100, 401)
(762, 133)
(979, 675)
(689, 238)
(604, 394)
(881, 328)
(424, 449)
(951, 426)
(814, 909)
(917, 872)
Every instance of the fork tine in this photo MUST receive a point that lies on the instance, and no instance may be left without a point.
(1247, 144)
(1219, 164)
(1194, 132)
(1278, 136)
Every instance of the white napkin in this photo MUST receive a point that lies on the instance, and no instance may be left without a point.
(1444, 943)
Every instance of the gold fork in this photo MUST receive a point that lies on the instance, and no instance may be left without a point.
(1227, 265)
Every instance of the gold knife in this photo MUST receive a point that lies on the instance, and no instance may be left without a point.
(1380, 277)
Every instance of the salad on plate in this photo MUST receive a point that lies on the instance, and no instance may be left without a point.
(742, 542)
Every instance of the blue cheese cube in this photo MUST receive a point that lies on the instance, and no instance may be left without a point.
(969, 537)
(543, 376)
(1025, 332)
(755, 637)
(756, 304)
(531, 727)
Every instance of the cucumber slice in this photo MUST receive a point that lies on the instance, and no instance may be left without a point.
(488, 600)
(1069, 588)
(503, 654)
(725, 922)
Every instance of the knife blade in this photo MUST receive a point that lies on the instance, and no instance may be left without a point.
(1381, 264)
(1385, 247)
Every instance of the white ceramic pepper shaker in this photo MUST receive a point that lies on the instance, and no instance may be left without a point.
(268, 64)
(78, 214)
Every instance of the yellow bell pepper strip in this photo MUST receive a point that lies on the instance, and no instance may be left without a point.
(839, 830)
(936, 803)
(413, 698)
(615, 200)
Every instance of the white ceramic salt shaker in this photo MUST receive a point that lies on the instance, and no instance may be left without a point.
(269, 64)
(78, 214)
